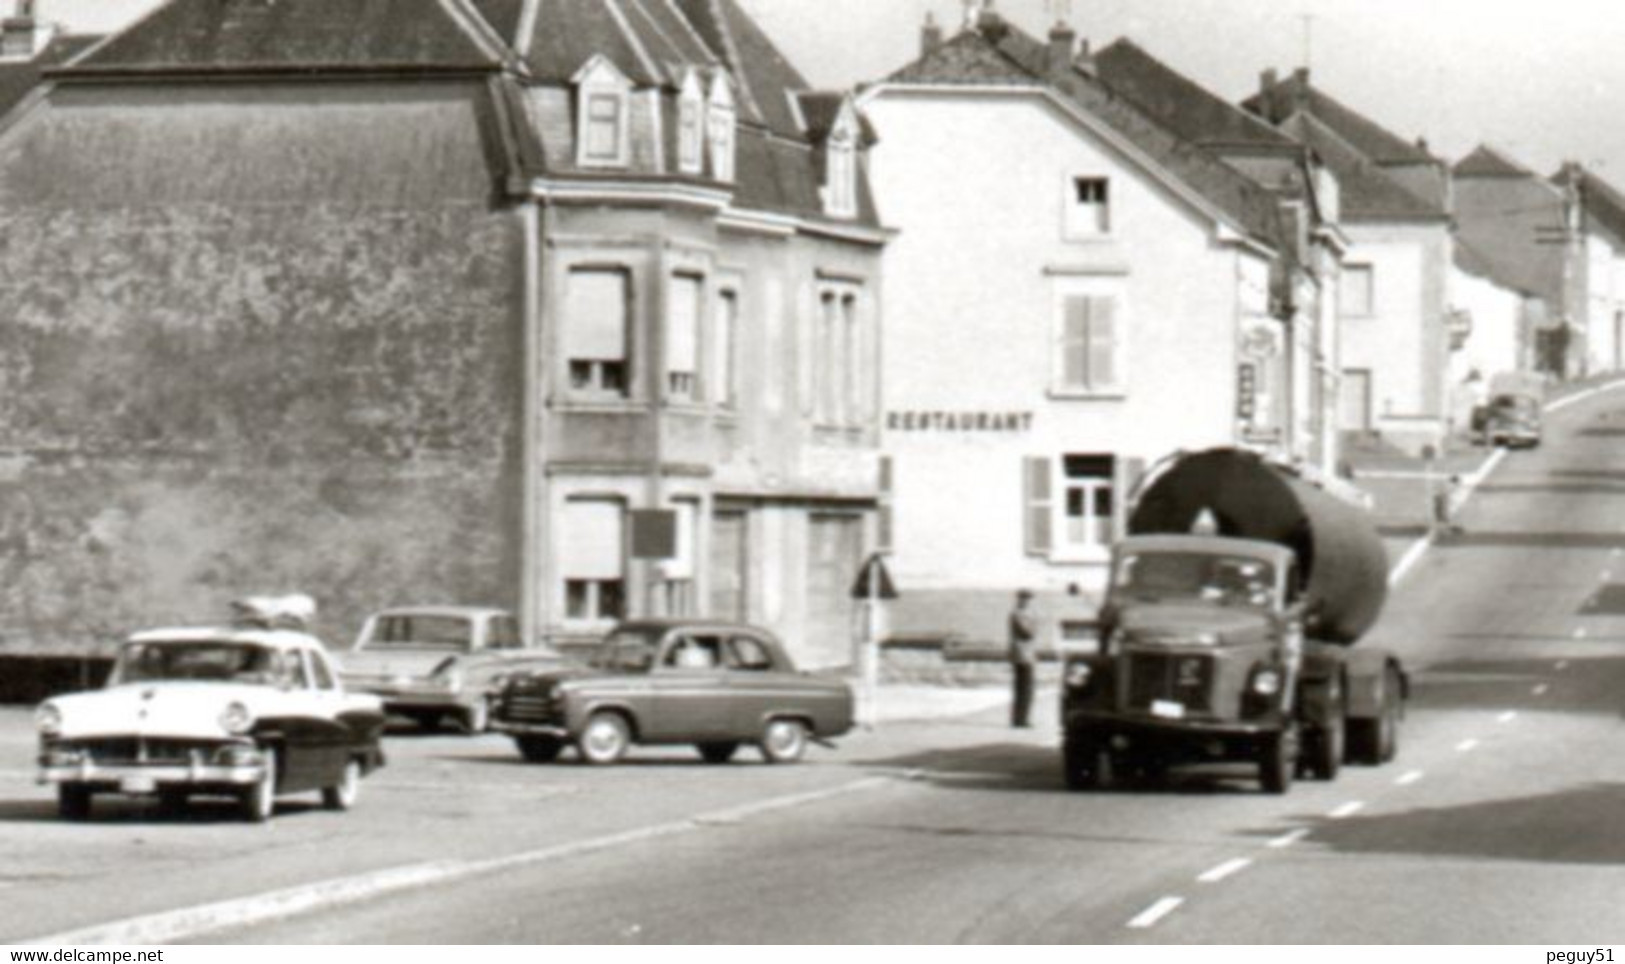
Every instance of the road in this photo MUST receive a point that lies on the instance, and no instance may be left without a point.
(1502, 821)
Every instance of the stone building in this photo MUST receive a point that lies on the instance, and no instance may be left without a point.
(567, 305)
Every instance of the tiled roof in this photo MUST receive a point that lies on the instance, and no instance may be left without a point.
(1469, 259)
(1184, 106)
(1604, 205)
(767, 79)
(18, 77)
(1366, 192)
(237, 35)
(1017, 58)
(1295, 94)
(1486, 161)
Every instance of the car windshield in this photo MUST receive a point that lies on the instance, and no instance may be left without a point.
(215, 661)
(627, 651)
(1515, 405)
(1226, 580)
(422, 631)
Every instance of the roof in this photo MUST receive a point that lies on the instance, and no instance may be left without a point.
(1486, 161)
(238, 35)
(18, 77)
(1366, 192)
(1186, 107)
(1295, 94)
(273, 638)
(471, 612)
(1603, 204)
(1017, 58)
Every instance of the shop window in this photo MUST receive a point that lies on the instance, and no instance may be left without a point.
(597, 323)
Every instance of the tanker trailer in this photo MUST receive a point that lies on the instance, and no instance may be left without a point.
(1228, 631)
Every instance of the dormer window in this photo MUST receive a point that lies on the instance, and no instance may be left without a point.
(691, 126)
(603, 95)
(841, 165)
(721, 120)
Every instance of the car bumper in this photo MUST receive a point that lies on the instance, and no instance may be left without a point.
(531, 729)
(143, 778)
(1112, 724)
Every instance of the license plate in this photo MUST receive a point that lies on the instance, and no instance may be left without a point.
(138, 785)
(1168, 710)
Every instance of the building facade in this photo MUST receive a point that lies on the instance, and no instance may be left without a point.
(1076, 294)
(562, 305)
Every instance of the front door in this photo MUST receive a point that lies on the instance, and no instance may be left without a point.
(834, 555)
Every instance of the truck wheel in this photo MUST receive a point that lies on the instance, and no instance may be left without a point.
(73, 801)
(1326, 746)
(1376, 741)
(1279, 760)
(539, 749)
(1076, 760)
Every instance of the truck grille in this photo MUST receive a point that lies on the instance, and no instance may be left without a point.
(1174, 677)
(528, 706)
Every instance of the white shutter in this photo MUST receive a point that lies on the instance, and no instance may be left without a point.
(1074, 348)
(1102, 347)
(683, 325)
(681, 566)
(596, 314)
(594, 539)
(1038, 506)
(724, 346)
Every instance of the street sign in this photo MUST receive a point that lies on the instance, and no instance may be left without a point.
(874, 582)
(654, 534)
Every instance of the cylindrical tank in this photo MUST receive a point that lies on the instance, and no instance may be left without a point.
(1341, 559)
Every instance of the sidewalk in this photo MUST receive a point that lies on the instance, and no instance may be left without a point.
(898, 702)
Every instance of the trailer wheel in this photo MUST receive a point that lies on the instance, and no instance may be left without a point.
(1326, 745)
(1279, 760)
(1376, 741)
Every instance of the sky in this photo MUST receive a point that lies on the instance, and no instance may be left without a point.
(1544, 80)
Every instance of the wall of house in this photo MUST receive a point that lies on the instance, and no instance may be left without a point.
(260, 338)
(976, 186)
(1606, 312)
(1493, 345)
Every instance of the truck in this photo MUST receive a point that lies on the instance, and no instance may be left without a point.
(1228, 630)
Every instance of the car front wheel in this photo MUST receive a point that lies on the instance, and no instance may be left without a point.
(605, 739)
(259, 800)
(784, 741)
(476, 719)
(539, 749)
(717, 752)
(342, 796)
(73, 801)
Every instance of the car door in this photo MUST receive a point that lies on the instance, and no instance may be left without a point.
(758, 685)
(305, 735)
(690, 690)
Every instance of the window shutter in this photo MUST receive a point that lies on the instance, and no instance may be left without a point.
(1075, 344)
(683, 322)
(595, 313)
(884, 520)
(1129, 473)
(1102, 347)
(594, 539)
(1038, 511)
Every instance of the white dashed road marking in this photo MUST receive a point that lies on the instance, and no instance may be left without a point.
(1506, 717)
(1562, 665)
(1289, 838)
(1156, 912)
(1466, 746)
(1347, 810)
(1226, 869)
(1540, 689)
(1409, 778)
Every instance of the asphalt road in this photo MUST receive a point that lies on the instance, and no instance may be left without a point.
(1502, 821)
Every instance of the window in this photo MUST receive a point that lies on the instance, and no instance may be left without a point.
(690, 126)
(594, 563)
(1087, 354)
(604, 127)
(1088, 207)
(726, 338)
(677, 573)
(1358, 291)
(504, 632)
(841, 175)
(602, 100)
(840, 389)
(683, 337)
(694, 652)
(824, 360)
(852, 376)
(721, 121)
(597, 320)
(321, 672)
(1086, 501)
(748, 655)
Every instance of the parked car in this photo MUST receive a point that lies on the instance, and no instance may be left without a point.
(252, 711)
(433, 664)
(1513, 420)
(714, 685)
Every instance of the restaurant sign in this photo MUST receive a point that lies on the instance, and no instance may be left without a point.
(959, 421)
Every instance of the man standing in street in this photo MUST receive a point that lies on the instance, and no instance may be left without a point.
(1023, 656)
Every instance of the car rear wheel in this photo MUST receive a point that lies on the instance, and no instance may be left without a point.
(73, 801)
(342, 796)
(539, 749)
(476, 719)
(784, 741)
(257, 802)
(717, 752)
(605, 739)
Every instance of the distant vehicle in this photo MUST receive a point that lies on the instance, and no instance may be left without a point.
(1513, 420)
(433, 664)
(252, 711)
(714, 685)
(1228, 631)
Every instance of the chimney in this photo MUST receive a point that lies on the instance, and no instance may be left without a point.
(1085, 60)
(1300, 89)
(1267, 95)
(930, 35)
(1061, 39)
(20, 34)
(990, 24)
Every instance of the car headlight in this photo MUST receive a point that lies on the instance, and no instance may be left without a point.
(1077, 674)
(236, 718)
(1267, 682)
(48, 719)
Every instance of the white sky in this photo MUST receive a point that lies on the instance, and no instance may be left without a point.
(1543, 79)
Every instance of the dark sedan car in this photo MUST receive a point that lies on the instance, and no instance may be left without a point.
(714, 685)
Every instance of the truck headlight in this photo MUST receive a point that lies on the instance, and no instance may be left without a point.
(48, 719)
(236, 718)
(1267, 681)
(1077, 675)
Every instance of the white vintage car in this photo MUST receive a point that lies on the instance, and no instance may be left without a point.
(249, 711)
